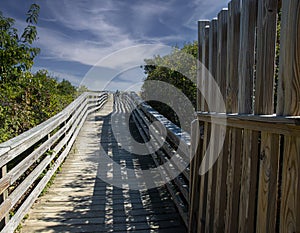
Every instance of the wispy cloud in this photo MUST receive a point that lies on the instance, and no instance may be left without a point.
(84, 32)
(205, 9)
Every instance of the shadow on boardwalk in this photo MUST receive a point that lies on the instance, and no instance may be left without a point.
(79, 201)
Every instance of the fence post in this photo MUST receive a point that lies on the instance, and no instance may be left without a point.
(3, 196)
(289, 104)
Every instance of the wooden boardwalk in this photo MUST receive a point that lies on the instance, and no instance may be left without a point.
(79, 201)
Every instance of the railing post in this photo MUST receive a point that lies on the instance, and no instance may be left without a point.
(3, 196)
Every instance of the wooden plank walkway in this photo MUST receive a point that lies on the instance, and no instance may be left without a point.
(79, 201)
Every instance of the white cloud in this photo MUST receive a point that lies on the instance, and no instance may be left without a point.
(64, 74)
(205, 9)
(88, 31)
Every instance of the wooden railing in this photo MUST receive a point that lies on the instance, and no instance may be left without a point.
(29, 160)
(144, 115)
(254, 186)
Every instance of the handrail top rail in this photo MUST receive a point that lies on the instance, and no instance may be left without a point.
(18, 140)
(171, 127)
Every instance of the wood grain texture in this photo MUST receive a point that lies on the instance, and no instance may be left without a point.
(216, 222)
(289, 64)
(201, 27)
(265, 67)
(205, 62)
(290, 201)
(233, 47)
(211, 182)
(221, 188)
(196, 149)
(233, 179)
(201, 218)
(272, 124)
(248, 193)
(289, 104)
(268, 183)
(246, 61)
(212, 66)
(264, 104)
(222, 54)
(3, 196)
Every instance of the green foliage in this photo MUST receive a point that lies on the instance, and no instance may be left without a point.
(82, 89)
(26, 99)
(277, 57)
(166, 69)
(30, 100)
(16, 53)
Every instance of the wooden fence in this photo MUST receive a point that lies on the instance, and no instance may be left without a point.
(254, 186)
(29, 160)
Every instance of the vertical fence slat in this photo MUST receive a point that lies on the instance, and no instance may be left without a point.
(268, 178)
(203, 183)
(196, 153)
(205, 62)
(234, 135)
(222, 52)
(211, 185)
(250, 139)
(289, 66)
(248, 193)
(290, 198)
(264, 104)
(211, 180)
(213, 44)
(201, 26)
(289, 104)
(233, 47)
(266, 40)
(233, 180)
(221, 163)
(246, 58)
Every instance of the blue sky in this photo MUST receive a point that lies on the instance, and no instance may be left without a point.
(75, 36)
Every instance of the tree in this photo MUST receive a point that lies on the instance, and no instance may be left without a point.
(16, 53)
(166, 69)
(26, 99)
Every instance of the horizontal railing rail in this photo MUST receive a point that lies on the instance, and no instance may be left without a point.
(144, 115)
(29, 160)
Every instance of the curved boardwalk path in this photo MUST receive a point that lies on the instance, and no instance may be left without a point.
(79, 201)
